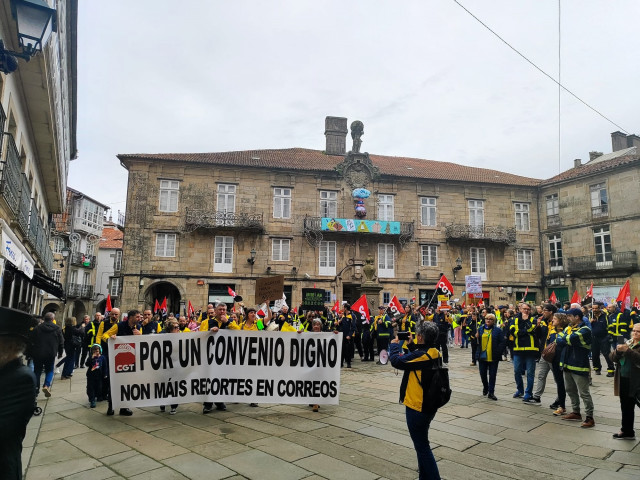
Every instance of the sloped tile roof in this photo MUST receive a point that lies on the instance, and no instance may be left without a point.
(316, 160)
(592, 168)
(111, 238)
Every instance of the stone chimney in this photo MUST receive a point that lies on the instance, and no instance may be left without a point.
(594, 155)
(335, 131)
(577, 162)
(618, 141)
(633, 140)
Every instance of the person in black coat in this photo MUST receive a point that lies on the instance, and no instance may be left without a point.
(73, 338)
(17, 390)
(46, 342)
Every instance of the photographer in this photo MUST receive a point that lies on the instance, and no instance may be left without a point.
(417, 372)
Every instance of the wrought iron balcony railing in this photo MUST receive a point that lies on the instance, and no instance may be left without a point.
(34, 225)
(600, 211)
(211, 219)
(623, 261)
(25, 204)
(553, 221)
(496, 234)
(316, 228)
(10, 185)
(77, 290)
(83, 260)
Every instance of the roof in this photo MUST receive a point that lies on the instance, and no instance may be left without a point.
(78, 193)
(592, 168)
(318, 161)
(618, 153)
(111, 238)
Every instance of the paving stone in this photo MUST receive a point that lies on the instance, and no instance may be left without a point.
(68, 429)
(63, 469)
(565, 433)
(337, 435)
(96, 444)
(478, 426)
(149, 445)
(478, 435)
(260, 426)
(282, 448)
(629, 458)
(258, 465)
(335, 469)
(453, 471)
(100, 473)
(295, 422)
(220, 449)
(237, 433)
(194, 466)
(608, 475)
(591, 451)
(163, 473)
(185, 435)
(54, 452)
(118, 457)
(134, 465)
(507, 420)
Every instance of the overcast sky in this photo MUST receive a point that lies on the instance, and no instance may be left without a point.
(425, 78)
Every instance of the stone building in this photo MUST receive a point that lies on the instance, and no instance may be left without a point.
(75, 241)
(37, 142)
(589, 223)
(109, 266)
(199, 223)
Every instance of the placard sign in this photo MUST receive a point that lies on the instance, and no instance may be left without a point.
(312, 298)
(473, 283)
(269, 288)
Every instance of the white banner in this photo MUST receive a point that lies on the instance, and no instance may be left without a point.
(226, 366)
(473, 283)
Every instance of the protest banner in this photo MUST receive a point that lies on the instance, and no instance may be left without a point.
(269, 288)
(226, 366)
(313, 298)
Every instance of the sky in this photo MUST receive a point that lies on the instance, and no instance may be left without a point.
(425, 77)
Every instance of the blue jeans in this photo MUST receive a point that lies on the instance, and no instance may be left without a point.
(40, 364)
(418, 424)
(520, 363)
(492, 369)
(69, 362)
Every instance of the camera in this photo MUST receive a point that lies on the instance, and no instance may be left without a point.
(403, 335)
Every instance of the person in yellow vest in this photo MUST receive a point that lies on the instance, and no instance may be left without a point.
(525, 351)
(491, 344)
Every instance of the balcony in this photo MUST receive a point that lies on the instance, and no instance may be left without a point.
(76, 290)
(82, 260)
(214, 220)
(10, 184)
(618, 263)
(34, 225)
(317, 228)
(553, 221)
(90, 227)
(467, 233)
(601, 211)
(25, 205)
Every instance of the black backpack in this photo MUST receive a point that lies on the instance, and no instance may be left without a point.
(438, 393)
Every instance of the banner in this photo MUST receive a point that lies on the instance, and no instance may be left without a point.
(473, 284)
(226, 366)
(313, 298)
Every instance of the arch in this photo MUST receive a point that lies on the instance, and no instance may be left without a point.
(78, 310)
(101, 306)
(161, 289)
(51, 307)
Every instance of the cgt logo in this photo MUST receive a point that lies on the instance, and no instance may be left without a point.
(125, 357)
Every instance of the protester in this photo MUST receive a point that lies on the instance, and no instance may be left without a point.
(172, 327)
(491, 341)
(417, 372)
(546, 335)
(627, 382)
(83, 352)
(525, 352)
(47, 341)
(344, 324)
(601, 339)
(574, 360)
(471, 329)
(73, 340)
(17, 390)
(383, 329)
(442, 320)
(558, 324)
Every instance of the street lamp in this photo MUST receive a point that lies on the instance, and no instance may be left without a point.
(35, 21)
(252, 259)
(457, 268)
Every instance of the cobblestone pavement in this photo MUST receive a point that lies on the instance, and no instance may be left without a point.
(365, 437)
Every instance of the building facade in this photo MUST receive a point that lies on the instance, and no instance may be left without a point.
(37, 142)
(75, 241)
(109, 266)
(590, 223)
(197, 224)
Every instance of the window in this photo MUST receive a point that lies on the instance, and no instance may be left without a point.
(386, 297)
(281, 203)
(74, 277)
(280, 248)
(115, 286)
(429, 255)
(117, 260)
(522, 217)
(385, 207)
(169, 195)
(90, 213)
(525, 259)
(327, 296)
(58, 244)
(86, 278)
(89, 248)
(553, 207)
(165, 244)
(555, 252)
(327, 258)
(479, 262)
(599, 200)
(328, 204)
(602, 240)
(226, 198)
(428, 211)
(56, 275)
(386, 260)
(223, 255)
(476, 213)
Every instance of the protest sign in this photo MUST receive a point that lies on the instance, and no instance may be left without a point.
(226, 366)
(473, 283)
(312, 298)
(269, 288)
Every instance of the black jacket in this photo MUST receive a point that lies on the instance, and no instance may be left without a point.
(17, 401)
(46, 341)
